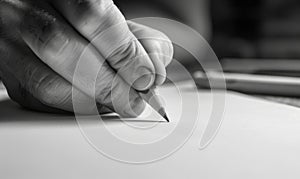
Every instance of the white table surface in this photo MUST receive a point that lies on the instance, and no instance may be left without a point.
(257, 139)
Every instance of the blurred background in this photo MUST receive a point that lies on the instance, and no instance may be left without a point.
(268, 29)
(256, 37)
(256, 28)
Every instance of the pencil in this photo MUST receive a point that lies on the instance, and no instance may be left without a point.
(151, 97)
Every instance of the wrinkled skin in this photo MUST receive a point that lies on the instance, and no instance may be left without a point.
(41, 42)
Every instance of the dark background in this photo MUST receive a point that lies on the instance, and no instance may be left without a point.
(235, 28)
(256, 28)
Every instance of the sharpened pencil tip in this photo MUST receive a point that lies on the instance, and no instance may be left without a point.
(166, 117)
(163, 113)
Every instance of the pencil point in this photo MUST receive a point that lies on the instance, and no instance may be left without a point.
(166, 117)
(152, 99)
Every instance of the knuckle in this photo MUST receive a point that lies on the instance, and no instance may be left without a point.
(40, 28)
(124, 55)
(38, 22)
(155, 40)
(55, 45)
(96, 16)
(165, 41)
(166, 48)
(51, 39)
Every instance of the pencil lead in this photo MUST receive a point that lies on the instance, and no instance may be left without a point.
(166, 117)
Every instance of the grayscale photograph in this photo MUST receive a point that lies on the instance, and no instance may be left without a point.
(145, 89)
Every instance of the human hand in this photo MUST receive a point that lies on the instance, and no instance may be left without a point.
(40, 49)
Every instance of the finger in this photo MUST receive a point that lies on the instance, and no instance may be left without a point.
(61, 48)
(21, 96)
(10, 18)
(33, 85)
(157, 45)
(101, 22)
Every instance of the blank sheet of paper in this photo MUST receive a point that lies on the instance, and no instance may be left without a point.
(257, 139)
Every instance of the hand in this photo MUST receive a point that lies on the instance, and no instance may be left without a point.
(40, 45)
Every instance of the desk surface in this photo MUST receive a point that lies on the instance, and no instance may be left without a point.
(257, 139)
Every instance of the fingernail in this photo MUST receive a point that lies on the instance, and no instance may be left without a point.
(145, 79)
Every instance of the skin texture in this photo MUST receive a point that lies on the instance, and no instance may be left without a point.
(41, 42)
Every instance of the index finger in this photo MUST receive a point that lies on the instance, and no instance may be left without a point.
(101, 22)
